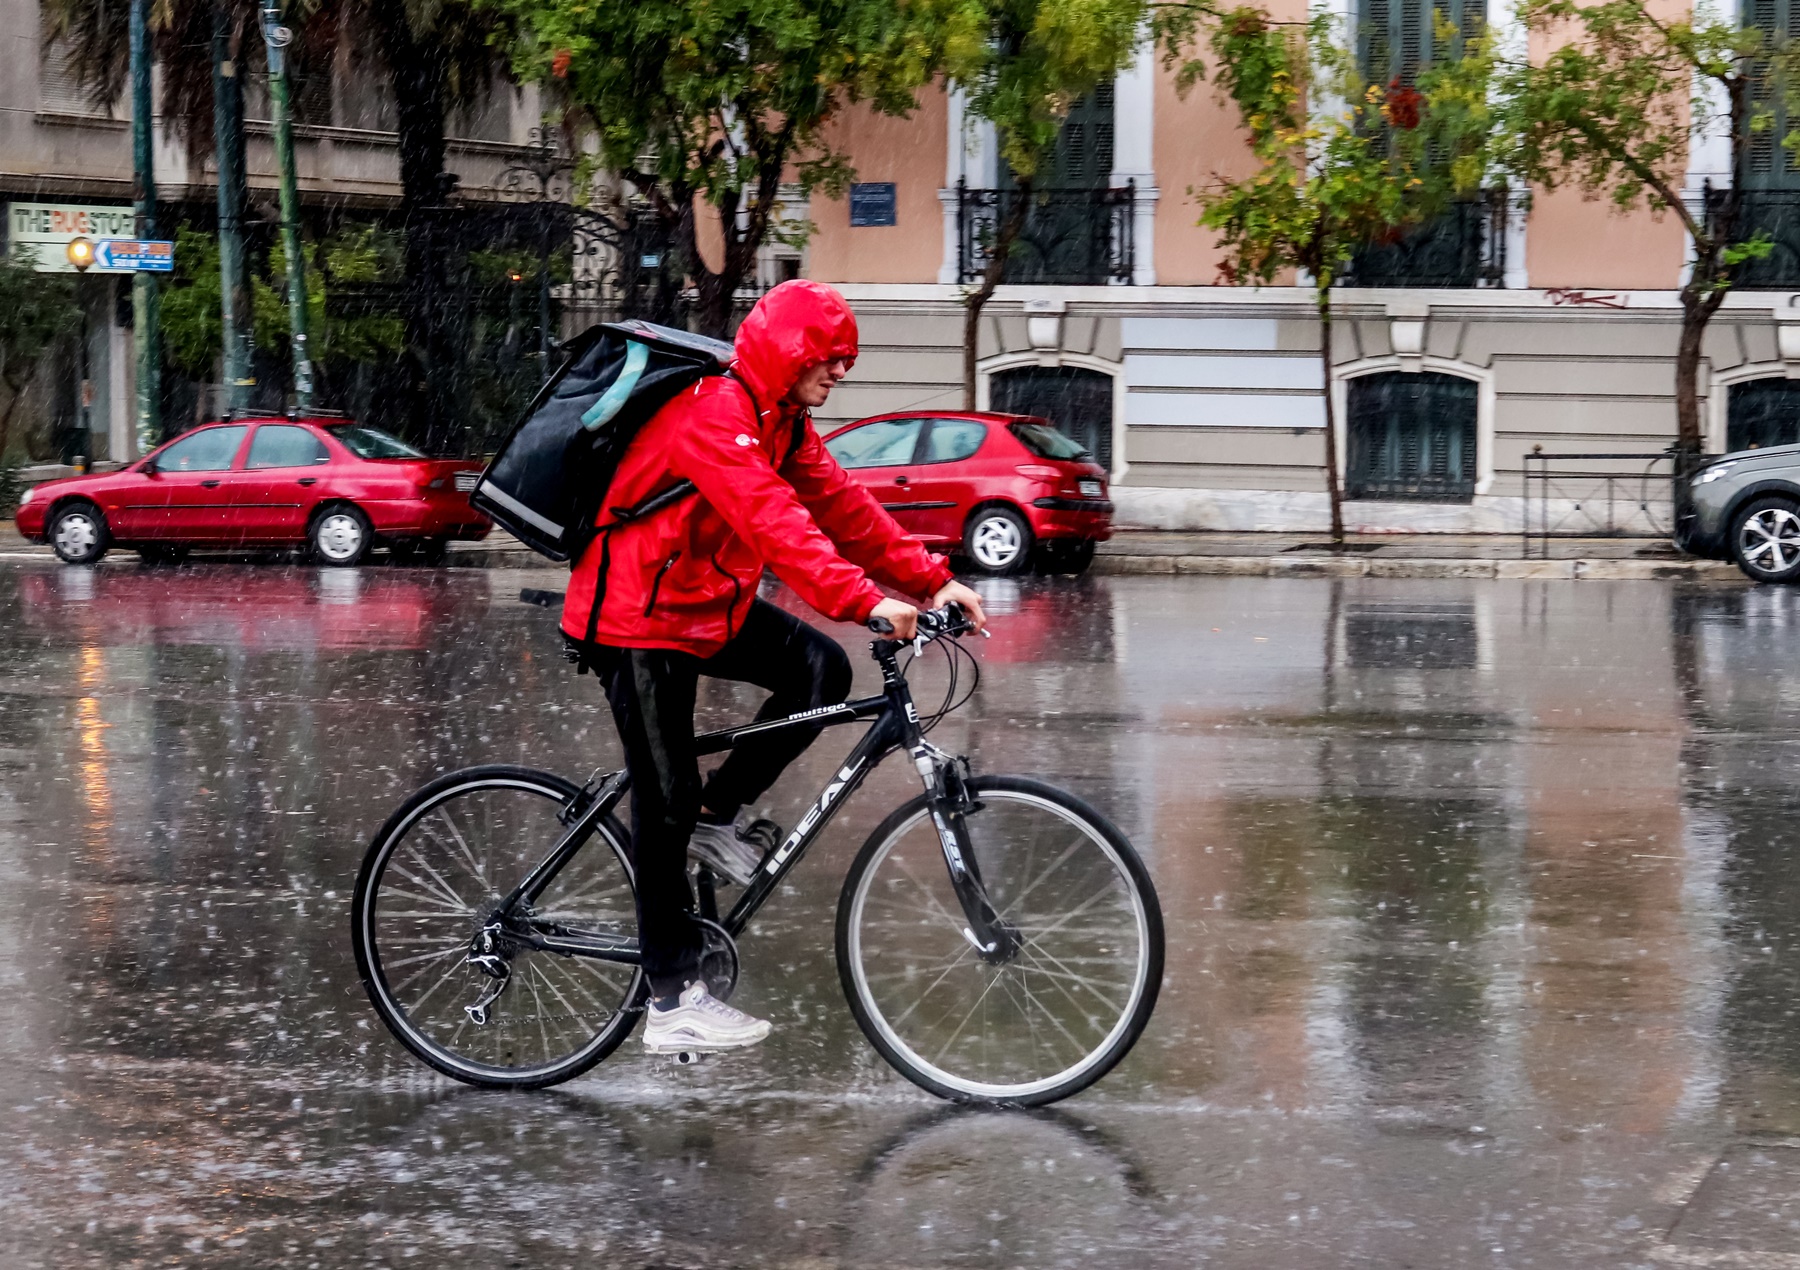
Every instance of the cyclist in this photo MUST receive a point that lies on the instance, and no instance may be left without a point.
(656, 602)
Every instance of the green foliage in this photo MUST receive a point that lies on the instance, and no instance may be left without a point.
(193, 329)
(1024, 63)
(37, 313)
(719, 101)
(1341, 164)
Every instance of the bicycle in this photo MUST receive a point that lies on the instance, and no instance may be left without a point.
(998, 940)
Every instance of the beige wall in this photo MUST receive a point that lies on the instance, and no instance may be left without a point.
(1572, 241)
(910, 152)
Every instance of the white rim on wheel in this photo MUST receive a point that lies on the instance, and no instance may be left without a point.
(76, 534)
(1771, 539)
(340, 536)
(996, 542)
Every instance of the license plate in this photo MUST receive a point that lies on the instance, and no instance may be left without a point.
(1090, 489)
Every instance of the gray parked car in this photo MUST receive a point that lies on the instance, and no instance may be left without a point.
(1746, 507)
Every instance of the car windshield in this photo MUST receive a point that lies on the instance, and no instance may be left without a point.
(1046, 442)
(373, 443)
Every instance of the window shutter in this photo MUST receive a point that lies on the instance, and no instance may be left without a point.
(1399, 37)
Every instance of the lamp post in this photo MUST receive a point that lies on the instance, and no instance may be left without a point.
(276, 38)
(146, 336)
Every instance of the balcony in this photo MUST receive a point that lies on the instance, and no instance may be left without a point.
(1079, 237)
(1465, 247)
(1777, 214)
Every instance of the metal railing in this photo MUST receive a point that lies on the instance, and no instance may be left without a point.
(1465, 247)
(1776, 214)
(1591, 502)
(1071, 237)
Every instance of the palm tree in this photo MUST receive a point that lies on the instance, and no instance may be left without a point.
(440, 56)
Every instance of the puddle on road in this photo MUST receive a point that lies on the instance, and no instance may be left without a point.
(1483, 903)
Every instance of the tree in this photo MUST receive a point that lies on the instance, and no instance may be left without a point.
(708, 106)
(37, 313)
(440, 56)
(1034, 60)
(1612, 110)
(1341, 164)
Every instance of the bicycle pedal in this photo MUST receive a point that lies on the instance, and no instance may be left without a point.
(688, 1058)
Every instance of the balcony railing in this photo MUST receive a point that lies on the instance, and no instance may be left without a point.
(1465, 247)
(1070, 237)
(1775, 213)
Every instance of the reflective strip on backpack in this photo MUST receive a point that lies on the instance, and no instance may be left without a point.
(490, 490)
(637, 356)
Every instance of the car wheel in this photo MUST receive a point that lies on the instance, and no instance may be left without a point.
(160, 555)
(340, 536)
(1765, 540)
(79, 535)
(1068, 556)
(997, 540)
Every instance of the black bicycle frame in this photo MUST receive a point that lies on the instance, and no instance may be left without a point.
(895, 726)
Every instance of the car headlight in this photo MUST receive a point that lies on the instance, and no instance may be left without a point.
(30, 490)
(1713, 473)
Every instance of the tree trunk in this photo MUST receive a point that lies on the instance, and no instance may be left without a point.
(1323, 296)
(418, 80)
(1694, 317)
(1008, 232)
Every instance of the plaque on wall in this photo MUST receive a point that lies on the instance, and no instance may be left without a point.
(871, 203)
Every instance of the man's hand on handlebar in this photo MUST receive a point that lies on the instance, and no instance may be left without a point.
(957, 593)
(900, 620)
(901, 616)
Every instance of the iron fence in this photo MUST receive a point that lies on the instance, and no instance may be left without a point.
(1583, 500)
(1071, 237)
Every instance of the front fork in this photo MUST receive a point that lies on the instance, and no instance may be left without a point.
(947, 794)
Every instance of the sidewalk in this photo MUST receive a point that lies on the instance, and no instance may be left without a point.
(1247, 555)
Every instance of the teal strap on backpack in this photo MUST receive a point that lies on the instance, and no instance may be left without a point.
(637, 356)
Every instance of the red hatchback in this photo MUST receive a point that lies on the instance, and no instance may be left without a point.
(337, 487)
(993, 488)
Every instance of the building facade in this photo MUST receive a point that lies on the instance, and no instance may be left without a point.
(1540, 325)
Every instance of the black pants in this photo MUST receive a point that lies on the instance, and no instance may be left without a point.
(652, 691)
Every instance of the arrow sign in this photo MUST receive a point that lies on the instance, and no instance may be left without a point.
(130, 255)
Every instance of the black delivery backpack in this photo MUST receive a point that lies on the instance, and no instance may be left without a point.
(548, 481)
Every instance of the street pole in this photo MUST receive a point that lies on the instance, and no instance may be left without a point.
(276, 38)
(234, 282)
(146, 338)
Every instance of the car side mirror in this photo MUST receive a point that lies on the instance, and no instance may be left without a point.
(149, 469)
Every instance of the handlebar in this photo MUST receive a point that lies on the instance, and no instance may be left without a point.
(949, 620)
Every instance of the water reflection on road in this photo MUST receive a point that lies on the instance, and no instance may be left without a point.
(1484, 939)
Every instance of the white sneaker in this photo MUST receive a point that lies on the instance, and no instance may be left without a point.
(700, 1022)
(734, 851)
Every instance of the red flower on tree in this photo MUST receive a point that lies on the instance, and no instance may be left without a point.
(1403, 106)
(559, 64)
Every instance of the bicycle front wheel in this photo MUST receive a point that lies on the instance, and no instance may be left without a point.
(436, 872)
(1047, 1021)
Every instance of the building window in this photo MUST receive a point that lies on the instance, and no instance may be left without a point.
(1078, 401)
(60, 91)
(1771, 192)
(1411, 438)
(1077, 228)
(1762, 413)
(1466, 246)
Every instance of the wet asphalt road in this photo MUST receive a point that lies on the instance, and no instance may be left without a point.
(1484, 940)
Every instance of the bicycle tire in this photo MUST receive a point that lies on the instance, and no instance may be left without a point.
(367, 937)
(916, 947)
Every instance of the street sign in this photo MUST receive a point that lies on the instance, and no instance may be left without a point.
(44, 230)
(129, 255)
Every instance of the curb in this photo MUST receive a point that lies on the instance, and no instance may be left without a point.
(1362, 567)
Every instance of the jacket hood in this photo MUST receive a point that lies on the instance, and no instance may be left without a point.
(796, 325)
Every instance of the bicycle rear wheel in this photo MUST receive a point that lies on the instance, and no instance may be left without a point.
(1046, 1022)
(435, 874)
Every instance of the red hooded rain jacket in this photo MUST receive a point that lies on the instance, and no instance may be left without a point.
(683, 577)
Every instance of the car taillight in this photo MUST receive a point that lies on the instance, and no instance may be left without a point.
(1038, 472)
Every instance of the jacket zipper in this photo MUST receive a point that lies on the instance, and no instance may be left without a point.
(737, 593)
(657, 585)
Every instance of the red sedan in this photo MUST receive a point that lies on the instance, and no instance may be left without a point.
(994, 488)
(337, 487)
